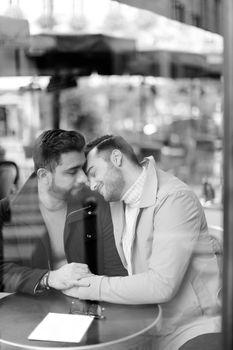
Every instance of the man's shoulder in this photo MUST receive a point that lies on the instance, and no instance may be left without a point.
(170, 184)
(165, 181)
(28, 193)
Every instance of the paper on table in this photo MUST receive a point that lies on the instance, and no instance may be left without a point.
(61, 327)
(4, 295)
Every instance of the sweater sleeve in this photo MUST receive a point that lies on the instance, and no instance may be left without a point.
(14, 275)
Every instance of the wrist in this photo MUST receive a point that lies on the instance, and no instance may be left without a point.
(51, 279)
(44, 282)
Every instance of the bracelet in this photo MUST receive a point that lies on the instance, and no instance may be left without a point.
(44, 281)
(47, 280)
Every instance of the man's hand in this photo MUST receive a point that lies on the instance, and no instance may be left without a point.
(68, 276)
(89, 288)
(72, 292)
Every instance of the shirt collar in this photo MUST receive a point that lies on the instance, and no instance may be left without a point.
(133, 194)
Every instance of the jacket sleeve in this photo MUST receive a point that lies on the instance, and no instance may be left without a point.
(14, 276)
(176, 231)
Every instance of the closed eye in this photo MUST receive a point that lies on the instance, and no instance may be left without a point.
(91, 172)
(73, 171)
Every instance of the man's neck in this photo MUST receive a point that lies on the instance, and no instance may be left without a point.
(131, 176)
(49, 201)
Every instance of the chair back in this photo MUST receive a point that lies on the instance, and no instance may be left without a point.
(216, 232)
(9, 177)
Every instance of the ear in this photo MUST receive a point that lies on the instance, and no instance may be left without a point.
(44, 175)
(116, 157)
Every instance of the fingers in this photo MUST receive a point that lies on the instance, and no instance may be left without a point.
(85, 266)
(75, 283)
(69, 275)
(79, 268)
(82, 275)
(68, 292)
(74, 266)
(81, 283)
(79, 265)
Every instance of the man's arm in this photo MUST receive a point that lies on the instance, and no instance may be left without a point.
(176, 230)
(16, 278)
(13, 275)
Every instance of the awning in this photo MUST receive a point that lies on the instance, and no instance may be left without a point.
(106, 55)
(84, 53)
(172, 64)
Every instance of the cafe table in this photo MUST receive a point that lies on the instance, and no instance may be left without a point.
(115, 327)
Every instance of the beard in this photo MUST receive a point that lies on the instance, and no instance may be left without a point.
(63, 193)
(59, 192)
(114, 184)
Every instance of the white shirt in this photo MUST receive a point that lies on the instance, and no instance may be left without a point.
(131, 199)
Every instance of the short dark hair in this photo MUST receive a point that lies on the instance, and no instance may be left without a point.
(51, 144)
(108, 143)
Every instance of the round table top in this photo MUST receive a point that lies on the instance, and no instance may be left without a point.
(21, 313)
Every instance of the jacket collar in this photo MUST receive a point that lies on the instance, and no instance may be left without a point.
(148, 198)
(150, 189)
(77, 206)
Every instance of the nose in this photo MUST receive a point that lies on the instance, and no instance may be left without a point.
(92, 184)
(81, 178)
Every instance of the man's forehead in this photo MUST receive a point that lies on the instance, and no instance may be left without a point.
(92, 155)
(94, 159)
(72, 157)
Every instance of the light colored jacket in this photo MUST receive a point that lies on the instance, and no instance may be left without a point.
(173, 260)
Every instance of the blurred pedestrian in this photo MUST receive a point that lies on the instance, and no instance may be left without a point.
(9, 175)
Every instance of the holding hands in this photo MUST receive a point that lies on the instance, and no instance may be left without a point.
(88, 288)
(69, 276)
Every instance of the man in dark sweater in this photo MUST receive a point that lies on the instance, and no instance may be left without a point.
(55, 223)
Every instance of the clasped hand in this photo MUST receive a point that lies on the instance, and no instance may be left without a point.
(68, 276)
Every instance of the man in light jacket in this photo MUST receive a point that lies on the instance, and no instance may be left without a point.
(162, 238)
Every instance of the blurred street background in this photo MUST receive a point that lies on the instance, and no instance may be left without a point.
(106, 67)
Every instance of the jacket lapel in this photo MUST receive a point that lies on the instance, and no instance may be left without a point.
(149, 196)
(75, 213)
(150, 189)
(118, 218)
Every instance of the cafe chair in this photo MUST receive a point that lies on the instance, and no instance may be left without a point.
(9, 177)
(211, 340)
(216, 232)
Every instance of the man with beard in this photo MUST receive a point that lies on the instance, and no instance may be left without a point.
(162, 238)
(44, 238)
